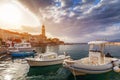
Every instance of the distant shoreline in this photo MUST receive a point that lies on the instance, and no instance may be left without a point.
(36, 45)
(73, 43)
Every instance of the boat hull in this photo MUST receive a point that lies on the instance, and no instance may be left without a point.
(22, 54)
(82, 71)
(79, 68)
(34, 63)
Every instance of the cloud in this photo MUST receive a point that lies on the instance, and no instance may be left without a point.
(109, 31)
(78, 22)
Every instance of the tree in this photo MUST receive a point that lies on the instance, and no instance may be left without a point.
(1, 41)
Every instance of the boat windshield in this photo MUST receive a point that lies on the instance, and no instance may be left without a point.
(49, 56)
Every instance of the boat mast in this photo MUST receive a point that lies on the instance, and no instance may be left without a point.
(102, 46)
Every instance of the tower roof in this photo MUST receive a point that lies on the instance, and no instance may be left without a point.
(43, 26)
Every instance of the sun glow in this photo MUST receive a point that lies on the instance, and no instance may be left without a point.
(9, 13)
(13, 15)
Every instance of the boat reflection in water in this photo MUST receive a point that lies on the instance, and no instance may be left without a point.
(56, 72)
(44, 70)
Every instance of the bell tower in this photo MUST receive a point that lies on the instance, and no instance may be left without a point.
(43, 30)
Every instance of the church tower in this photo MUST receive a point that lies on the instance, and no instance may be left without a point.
(43, 30)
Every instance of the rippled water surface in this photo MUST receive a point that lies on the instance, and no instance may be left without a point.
(19, 70)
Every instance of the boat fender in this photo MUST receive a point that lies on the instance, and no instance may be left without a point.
(69, 62)
(116, 69)
(116, 63)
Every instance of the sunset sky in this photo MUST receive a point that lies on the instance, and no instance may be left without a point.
(69, 20)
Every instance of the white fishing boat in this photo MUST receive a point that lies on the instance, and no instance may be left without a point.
(21, 50)
(95, 63)
(46, 59)
(21, 47)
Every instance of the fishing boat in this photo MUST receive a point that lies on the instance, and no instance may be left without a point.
(47, 59)
(23, 49)
(95, 63)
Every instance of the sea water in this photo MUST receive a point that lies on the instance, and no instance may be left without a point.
(57, 72)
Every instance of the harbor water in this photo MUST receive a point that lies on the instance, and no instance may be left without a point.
(20, 70)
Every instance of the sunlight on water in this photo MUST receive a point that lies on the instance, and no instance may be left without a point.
(8, 77)
(14, 71)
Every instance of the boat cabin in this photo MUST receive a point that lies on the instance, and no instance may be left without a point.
(22, 45)
(48, 56)
(96, 52)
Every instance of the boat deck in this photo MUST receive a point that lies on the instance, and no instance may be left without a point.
(86, 61)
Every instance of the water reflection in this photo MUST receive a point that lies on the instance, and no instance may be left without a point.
(56, 72)
(44, 70)
(52, 48)
(49, 48)
(41, 49)
(8, 77)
